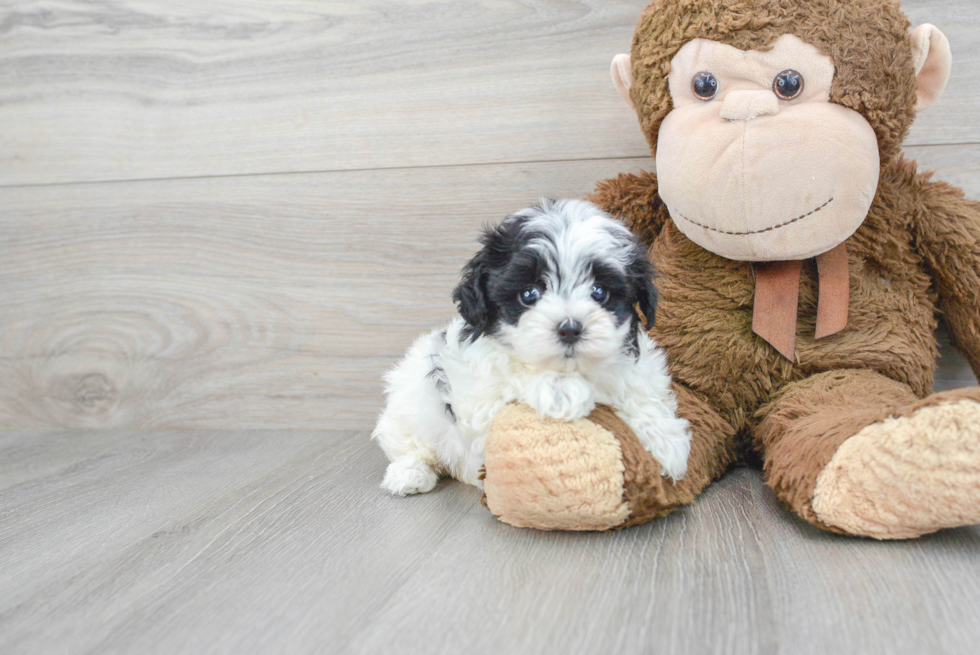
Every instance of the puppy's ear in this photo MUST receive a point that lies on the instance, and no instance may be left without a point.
(642, 274)
(470, 295)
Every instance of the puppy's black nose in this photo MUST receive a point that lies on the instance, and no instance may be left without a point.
(569, 331)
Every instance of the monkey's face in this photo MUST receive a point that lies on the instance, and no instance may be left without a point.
(754, 162)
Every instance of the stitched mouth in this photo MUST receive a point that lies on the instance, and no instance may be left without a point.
(768, 229)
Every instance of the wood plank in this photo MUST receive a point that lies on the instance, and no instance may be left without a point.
(834, 594)
(733, 574)
(258, 542)
(159, 89)
(263, 302)
(193, 541)
(657, 587)
(154, 89)
(274, 301)
(957, 165)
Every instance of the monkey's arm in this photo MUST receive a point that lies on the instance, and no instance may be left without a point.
(948, 232)
(635, 199)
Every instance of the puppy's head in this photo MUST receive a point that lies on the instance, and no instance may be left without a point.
(558, 284)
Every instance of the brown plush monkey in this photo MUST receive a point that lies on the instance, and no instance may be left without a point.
(802, 265)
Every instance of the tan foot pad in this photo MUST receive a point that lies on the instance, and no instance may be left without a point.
(906, 477)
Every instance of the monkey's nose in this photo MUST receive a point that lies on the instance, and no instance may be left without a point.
(746, 105)
(569, 331)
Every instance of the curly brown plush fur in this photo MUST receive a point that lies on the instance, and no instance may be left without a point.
(917, 255)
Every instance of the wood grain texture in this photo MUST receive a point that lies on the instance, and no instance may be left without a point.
(259, 542)
(178, 88)
(264, 276)
(263, 302)
(274, 301)
(148, 542)
(152, 88)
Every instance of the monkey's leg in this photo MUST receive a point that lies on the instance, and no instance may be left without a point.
(593, 474)
(857, 453)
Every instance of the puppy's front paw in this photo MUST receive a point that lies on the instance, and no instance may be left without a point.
(675, 470)
(564, 397)
(471, 472)
(668, 440)
(408, 477)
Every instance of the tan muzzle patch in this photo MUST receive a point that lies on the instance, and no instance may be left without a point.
(752, 176)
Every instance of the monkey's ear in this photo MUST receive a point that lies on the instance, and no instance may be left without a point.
(622, 76)
(933, 59)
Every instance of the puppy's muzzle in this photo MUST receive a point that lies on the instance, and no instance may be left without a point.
(569, 332)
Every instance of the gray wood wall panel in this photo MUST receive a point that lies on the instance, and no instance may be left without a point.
(218, 297)
(275, 301)
(177, 88)
(269, 302)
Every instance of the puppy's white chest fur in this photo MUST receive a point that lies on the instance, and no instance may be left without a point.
(566, 397)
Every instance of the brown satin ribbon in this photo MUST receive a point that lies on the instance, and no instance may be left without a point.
(835, 292)
(777, 294)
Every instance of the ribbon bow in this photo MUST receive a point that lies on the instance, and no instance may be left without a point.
(777, 293)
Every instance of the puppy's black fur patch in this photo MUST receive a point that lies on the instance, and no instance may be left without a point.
(492, 280)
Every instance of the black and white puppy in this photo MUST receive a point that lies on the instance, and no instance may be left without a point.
(547, 318)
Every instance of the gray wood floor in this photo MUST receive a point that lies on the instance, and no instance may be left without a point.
(220, 222)
(281, 542)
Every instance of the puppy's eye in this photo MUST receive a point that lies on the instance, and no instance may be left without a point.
(529, 296)
(599, 294)
(788, 84)
(705, 85)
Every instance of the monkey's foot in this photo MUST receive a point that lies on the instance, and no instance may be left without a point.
(907, 476)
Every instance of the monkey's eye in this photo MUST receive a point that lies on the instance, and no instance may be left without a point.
(599, 294)
(788, 84)
(705, 85)
(529, 296)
